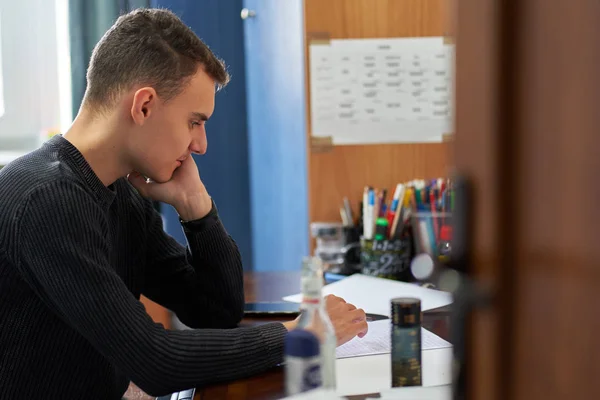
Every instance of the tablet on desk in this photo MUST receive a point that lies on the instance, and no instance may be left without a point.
(287, 309)
(272, 309)
(183, 395)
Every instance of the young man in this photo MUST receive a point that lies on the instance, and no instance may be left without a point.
(79, 244)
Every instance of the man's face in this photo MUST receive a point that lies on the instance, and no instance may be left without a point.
(175, 129)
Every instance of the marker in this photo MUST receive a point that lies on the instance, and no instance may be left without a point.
(369, 220)
(381, 228)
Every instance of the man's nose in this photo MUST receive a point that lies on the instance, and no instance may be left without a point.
(199, 144)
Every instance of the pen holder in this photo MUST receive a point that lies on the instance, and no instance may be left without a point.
(387, 258)
(432, 232)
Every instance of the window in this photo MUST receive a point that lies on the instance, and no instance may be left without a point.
(30, 73)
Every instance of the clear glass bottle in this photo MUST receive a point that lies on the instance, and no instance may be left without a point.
(314, 317)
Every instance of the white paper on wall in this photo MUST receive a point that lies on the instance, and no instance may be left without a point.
(381, 90)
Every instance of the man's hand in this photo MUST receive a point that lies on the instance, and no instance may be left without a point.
(185, 191)
(347, 320)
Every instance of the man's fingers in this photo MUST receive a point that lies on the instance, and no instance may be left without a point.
(358, 315)
(363, 329)
(333, 297)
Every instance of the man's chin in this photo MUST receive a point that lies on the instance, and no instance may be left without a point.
(161, 178)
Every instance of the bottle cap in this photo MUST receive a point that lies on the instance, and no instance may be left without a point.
(446, 233)
(406, 311)
(301, 343)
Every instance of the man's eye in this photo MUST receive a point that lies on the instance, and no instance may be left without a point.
(195, 123)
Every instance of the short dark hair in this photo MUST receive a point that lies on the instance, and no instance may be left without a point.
(148, 47)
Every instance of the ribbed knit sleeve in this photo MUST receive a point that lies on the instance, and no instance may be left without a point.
(203, 286)
(63, 258)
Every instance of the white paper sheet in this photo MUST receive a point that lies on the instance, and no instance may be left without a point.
(374, 294)
(377, 341)
(443, 392)
(381, 90)
(372, 374)
(315, 394)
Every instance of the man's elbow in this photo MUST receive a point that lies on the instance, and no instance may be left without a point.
(154, 388)
(238, 314)
(231, 319)
(154, 382)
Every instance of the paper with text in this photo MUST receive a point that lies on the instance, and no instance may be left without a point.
(377, 341)
(388, 90)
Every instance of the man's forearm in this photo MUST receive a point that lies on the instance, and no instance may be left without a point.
(217, 262)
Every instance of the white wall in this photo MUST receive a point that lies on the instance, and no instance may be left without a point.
(30, 72)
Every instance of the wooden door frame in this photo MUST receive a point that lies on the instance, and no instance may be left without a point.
(484, 144)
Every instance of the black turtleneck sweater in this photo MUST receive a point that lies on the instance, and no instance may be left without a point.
(75, 256)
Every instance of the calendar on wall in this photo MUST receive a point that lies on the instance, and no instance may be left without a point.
(396, 90)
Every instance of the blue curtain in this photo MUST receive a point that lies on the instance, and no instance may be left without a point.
(224, 168)
(88, 21)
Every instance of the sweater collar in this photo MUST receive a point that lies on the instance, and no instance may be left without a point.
(76, 160)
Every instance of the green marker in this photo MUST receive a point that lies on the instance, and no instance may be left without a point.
(381, 228)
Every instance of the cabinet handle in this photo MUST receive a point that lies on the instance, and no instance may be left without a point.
(245, 13)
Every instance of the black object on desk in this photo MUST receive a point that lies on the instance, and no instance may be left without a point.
(272, 309)
(183, 395)
(375, 317)
(286, 309)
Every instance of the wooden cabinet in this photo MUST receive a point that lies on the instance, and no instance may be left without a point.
(345, 170)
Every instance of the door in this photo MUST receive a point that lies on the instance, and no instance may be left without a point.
(527, 137)
(275, 86)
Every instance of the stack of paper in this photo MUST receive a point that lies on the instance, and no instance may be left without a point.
(443, 392)
(377, 341)
(374, 294)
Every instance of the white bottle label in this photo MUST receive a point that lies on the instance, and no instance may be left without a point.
(302, 374)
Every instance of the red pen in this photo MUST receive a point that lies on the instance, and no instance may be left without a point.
(390, 218)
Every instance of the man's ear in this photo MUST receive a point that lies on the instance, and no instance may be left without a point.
(144, 104)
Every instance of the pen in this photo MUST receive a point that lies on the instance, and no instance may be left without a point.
(382, 203)
(375, 214)
(397, 208)
(365, 211)
(433, 215)
(348, 210)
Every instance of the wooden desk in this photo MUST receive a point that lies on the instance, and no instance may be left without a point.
(272, 286)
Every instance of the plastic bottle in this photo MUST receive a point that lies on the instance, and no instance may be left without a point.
(315, 318)
(302, 362)
(406, 342)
